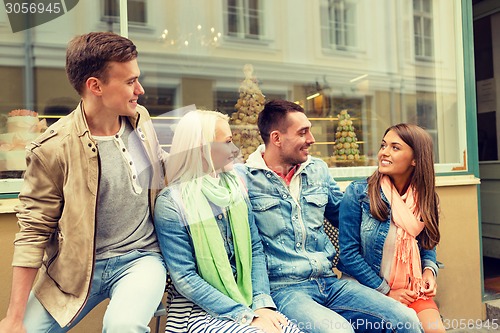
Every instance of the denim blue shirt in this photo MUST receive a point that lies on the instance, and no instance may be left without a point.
(362, 237)
(290, 218)
(177, 248)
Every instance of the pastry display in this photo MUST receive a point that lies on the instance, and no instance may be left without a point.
(22, 127)
(244, 120)
(346, 148)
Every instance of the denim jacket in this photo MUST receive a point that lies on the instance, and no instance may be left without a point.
(290, 218)
(362, 237)
(177, 248)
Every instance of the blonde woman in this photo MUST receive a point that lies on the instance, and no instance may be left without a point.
(208, 236)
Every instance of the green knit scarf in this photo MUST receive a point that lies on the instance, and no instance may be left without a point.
(211, 258)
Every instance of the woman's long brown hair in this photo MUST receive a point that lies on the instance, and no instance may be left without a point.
(422, 180)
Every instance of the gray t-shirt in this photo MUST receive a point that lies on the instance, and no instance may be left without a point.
(123, 216)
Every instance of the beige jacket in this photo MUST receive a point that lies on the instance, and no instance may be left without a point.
(58, 208)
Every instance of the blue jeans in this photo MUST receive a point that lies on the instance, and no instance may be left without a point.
(134, 283)
(327, 305)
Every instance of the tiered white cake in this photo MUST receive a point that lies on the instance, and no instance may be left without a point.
(23, 126)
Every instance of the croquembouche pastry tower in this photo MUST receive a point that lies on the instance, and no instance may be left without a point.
(346, 143)
(244, 120)
(22, 127)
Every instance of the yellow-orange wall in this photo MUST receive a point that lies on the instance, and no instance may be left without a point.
(460, 282)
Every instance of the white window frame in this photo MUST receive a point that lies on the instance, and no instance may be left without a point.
(116, 18)
(340, 24)
(149, 30)
(244, 15)
(422, 41)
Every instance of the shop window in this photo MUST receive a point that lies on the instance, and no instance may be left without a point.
(323, 111)
(339, 22)
(422, 28)
(225, 100)
(426, 118)
(378, 86)
(136, 11)
(244, 19)
(158, 100)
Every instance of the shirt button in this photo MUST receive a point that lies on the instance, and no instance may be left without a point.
(268, 175)
(298, 244)
(244, 320)
(285, 196)
(219, 216)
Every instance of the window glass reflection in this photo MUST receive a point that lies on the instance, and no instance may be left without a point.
(379, 62)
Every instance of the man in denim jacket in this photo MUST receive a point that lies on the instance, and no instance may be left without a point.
(291, 194)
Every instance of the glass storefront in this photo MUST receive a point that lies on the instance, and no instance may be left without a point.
(356, 66)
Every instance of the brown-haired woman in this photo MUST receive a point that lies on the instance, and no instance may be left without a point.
(389, 224)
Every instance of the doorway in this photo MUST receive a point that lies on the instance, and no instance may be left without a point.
(487, 70)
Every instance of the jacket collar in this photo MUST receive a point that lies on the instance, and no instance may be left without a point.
(256, 161)
(81, 122)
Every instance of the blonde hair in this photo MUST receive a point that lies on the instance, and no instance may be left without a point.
(190, 156)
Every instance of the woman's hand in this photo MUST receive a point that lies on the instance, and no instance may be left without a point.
(405, 296)
(430, 285)
(269, 321)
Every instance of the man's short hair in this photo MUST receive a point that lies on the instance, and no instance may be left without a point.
(88, 55)
(273, 117)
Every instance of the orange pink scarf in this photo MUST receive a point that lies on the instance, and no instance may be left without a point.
(406, 269)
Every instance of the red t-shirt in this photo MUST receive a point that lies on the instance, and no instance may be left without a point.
(288, 177)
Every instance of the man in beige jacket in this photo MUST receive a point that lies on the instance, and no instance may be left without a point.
(86, 205)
